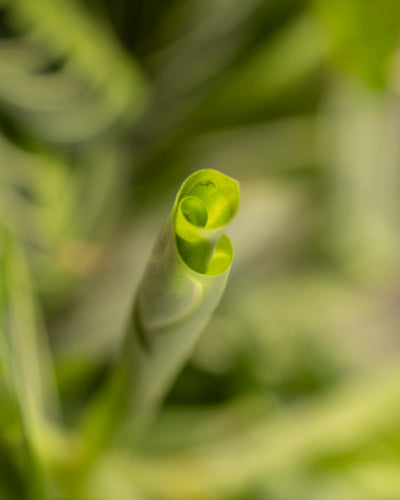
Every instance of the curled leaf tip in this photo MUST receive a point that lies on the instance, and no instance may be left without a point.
(205, 204)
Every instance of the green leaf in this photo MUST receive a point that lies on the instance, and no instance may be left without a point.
(182, 285)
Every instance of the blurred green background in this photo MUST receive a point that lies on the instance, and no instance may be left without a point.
(105, 107)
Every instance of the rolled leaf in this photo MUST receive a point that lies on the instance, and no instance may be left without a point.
(182, 285)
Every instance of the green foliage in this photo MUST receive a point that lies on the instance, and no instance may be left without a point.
(119, 375)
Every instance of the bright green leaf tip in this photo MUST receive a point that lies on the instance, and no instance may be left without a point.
(205, 204)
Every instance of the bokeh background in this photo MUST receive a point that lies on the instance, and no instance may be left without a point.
(293, 392)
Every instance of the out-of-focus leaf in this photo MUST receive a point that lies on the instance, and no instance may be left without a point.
(96, 86)
(363, 35)
(351, 416)
(213, 37)
(26, 364)
(275, 66)
(359, 144)
(91, 47)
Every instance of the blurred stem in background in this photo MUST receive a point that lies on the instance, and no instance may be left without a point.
(27, 368)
